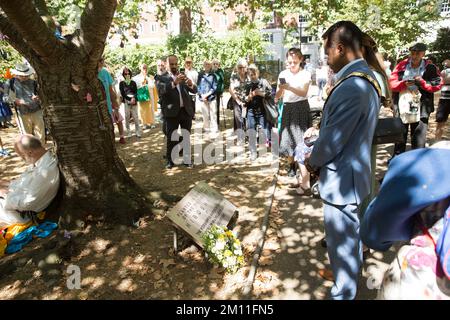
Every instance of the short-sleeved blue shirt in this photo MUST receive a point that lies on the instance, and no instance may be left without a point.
(107, 80)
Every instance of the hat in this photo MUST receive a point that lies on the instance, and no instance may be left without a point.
(22, 69)
(418, 47)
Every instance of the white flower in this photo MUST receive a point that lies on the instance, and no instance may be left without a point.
(238, 252)
(220, 245)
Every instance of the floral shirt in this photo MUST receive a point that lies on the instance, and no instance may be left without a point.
(416, 273)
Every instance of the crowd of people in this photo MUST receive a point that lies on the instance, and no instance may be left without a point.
(338, 153)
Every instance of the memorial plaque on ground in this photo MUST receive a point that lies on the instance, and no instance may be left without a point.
(201, 208)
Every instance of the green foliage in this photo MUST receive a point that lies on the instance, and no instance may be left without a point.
(127, 16)
(8, 59)
(133, 56)
(441, 47)
(394, 24)
(202, 45)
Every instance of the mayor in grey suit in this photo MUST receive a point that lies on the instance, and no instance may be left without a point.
(341, 154)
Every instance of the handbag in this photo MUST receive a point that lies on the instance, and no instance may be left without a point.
(389, 130)
(143, 94)
(270, 110)
(230, 104)
(409, 106)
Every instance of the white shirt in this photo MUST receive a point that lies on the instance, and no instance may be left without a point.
(36, 187)
(179, 90)
(193, 75)
(297, 81)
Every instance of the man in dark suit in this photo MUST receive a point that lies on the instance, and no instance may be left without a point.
(177, 109)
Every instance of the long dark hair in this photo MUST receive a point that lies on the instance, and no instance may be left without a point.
(370, 51)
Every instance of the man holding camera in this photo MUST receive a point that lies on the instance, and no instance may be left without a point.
(421, 78)
(177, 109)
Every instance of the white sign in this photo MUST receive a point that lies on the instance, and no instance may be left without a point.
(201, 208)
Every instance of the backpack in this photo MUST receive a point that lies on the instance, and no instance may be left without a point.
(13, 80)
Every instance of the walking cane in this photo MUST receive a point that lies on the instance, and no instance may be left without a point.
(223, 112)
(19, 121)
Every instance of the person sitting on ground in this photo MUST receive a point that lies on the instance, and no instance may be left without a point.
(419, 212)
(35, 188)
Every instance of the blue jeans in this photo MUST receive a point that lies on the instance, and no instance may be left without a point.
(253, 119)
(321, 84)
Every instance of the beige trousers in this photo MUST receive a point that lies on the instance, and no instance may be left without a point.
(33, 123)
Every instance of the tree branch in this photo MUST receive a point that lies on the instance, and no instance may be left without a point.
(41, 6)
(15, 39)
(26, 20)
(95, 24)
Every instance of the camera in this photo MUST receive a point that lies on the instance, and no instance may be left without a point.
(182, 70)
(282, 81)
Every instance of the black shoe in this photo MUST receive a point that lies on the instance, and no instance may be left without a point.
(170, 165)
(188, 165)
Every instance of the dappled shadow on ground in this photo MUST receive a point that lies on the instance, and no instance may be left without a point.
(125, 262)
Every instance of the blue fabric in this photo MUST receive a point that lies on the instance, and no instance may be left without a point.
(207, 84)
(20, 240)
(107, 81)
(414, 181)
(344, 248)
(443, 245)
(342, 151)
(253, 119)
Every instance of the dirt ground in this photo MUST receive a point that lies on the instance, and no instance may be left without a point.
(139, 263)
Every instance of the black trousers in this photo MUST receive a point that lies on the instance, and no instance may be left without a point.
(183, 120)
(418, 132)
(193, 99)
(218, 99)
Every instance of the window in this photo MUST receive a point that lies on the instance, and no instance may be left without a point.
(153, 27)
(139, 30)
(306, 39)
(268, 37)
(224, 21)
(208, 22)
(445, 6)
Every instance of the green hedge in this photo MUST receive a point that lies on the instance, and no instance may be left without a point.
(200, 46)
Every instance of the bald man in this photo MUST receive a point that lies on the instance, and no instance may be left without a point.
(35, 188)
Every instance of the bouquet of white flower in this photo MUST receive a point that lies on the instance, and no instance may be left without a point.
(223, 248)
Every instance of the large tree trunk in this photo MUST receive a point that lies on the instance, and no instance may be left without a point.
(185, 21)
(96, 183)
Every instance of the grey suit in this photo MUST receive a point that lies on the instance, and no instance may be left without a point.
(342, 152)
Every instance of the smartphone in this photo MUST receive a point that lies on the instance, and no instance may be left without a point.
(309, 142)
(282, 81)
(182, 70)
